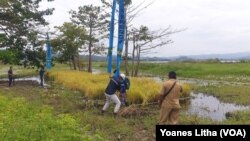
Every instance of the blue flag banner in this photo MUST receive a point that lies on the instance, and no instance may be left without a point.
(48, 53)
(121, 35)
(111, 37)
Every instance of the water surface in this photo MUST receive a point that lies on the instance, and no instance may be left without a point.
(210, 107)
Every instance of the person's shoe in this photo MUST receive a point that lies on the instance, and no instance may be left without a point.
(115, 114)
(102, 112)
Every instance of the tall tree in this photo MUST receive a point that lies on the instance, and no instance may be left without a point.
(132, 10)
(94, 20)
(145, 41)
(70, 42)
(19, 19)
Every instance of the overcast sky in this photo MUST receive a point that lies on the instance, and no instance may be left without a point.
(213, 26)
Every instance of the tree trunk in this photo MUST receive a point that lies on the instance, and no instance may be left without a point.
(90, 51)
(137, 61)
(90, 58)
(133, 57)
(70, 66)
(78, 62)
(73, 61)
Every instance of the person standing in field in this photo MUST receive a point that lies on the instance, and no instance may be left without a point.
(169, 100)
(124, 87)
(123, 90)
(115, 84)
(10, 76)
(41, 73)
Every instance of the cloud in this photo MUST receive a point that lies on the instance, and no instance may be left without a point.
(213, 26)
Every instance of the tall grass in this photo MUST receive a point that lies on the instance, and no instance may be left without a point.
(143, 90)
(203, 70)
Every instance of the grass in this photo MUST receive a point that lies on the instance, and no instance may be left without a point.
(19, 71)
(229, 82)
(238, 94)
(46, 114)
(60, 113)
(20, 120)
(201, 70)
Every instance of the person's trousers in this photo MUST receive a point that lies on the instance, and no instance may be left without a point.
(168, 115)
(41, 79)
(123, 99)
(10, 81)
(112, 98)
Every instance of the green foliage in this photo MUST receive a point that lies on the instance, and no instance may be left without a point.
(95, 21)
(34, 57)
(8, 56)
(238, 117)
(69, 42)
(19, 22)
(18, 19)
(22, 121)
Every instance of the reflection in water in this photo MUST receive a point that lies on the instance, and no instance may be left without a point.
(209, 106)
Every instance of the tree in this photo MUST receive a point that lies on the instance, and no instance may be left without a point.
(132, 11)
(8, 56)
(19, 20)
(94, 20)
(145, 41)
(70, 42)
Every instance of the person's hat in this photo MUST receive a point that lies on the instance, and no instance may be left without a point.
(122, 76)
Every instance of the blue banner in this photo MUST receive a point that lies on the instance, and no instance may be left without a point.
(111, 37)
(121, 35)
(48, 53)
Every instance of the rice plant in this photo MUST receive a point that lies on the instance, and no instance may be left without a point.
(142, 91)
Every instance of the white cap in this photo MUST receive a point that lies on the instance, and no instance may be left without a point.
(122, 76)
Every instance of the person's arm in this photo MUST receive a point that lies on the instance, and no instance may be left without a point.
(162, 92)
(10, 73)
(181, 89)
(123, 87)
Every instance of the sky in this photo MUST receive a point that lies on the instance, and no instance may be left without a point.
(212, 26)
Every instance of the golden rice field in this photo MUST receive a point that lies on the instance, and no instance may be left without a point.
(142, 90)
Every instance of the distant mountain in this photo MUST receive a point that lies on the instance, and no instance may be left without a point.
(231, 56)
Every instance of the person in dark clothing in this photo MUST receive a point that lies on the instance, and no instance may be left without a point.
(10, 76)
(123, 90)
(123, 97)
(115, 84)
(41, 73)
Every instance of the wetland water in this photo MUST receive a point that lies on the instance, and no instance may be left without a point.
(207, 106)
(210, 107)
(34, 80)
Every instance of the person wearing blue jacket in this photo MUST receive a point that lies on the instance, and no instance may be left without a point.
(115, 84)
(123, 90)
